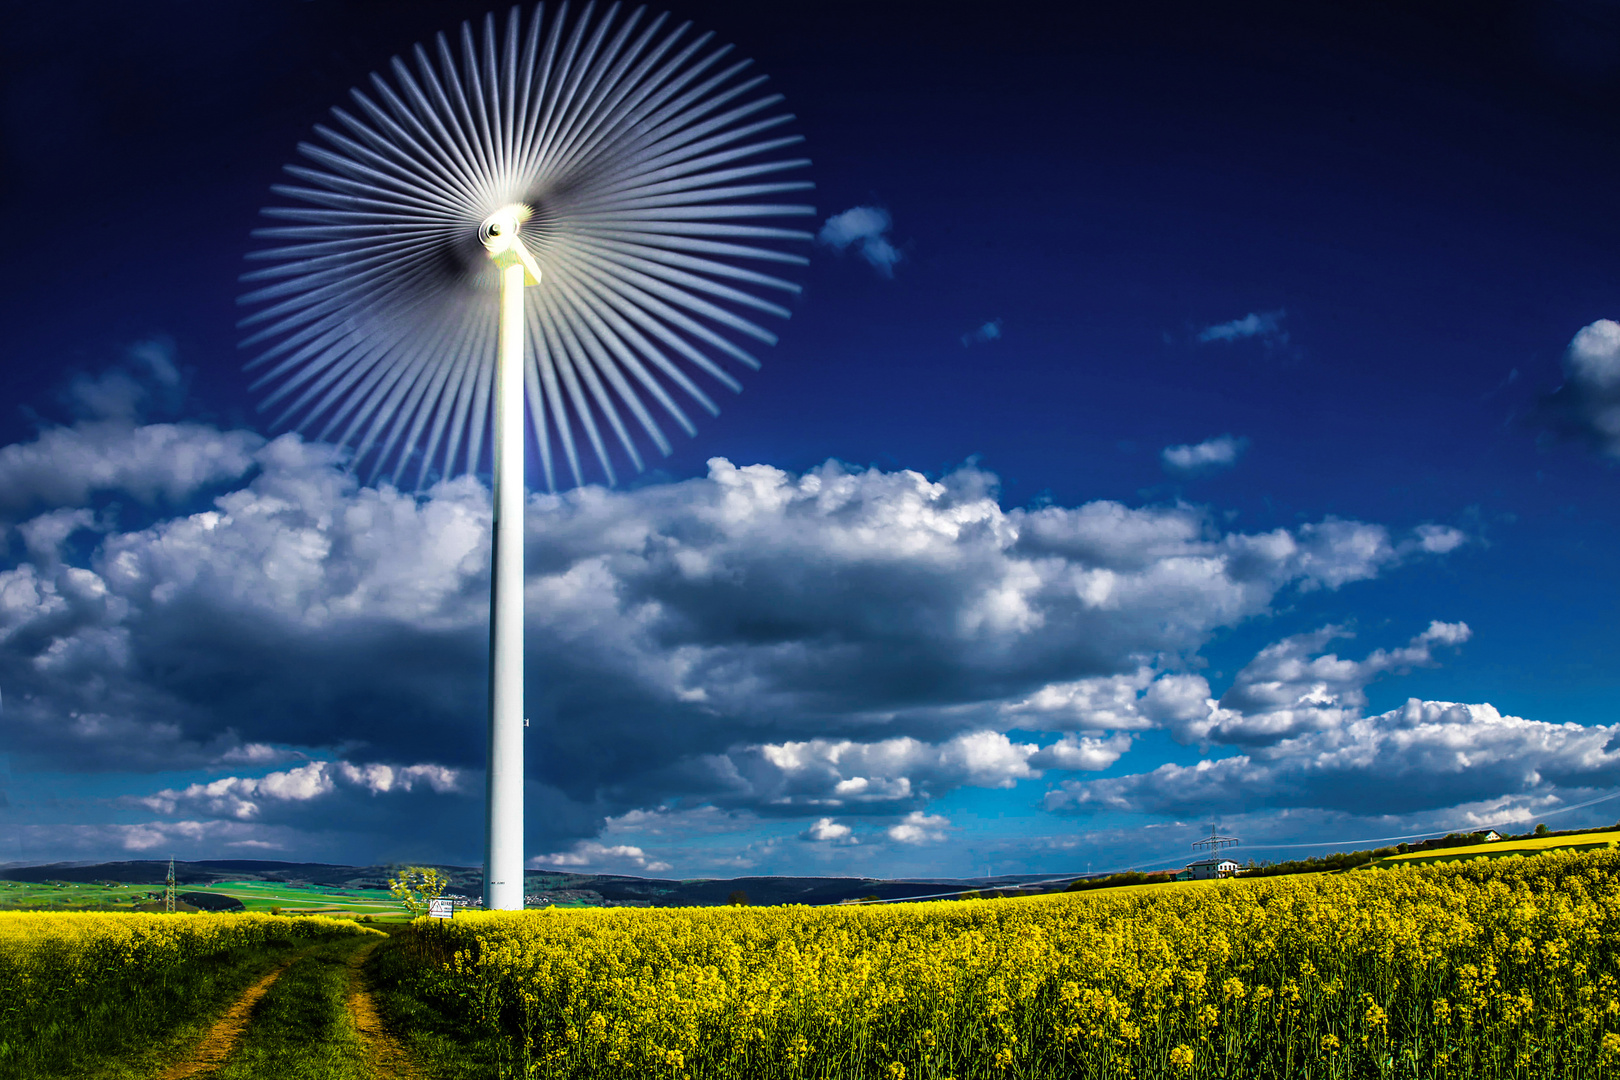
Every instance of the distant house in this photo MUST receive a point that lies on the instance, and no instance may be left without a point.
(1492, 837)
(1208, 869)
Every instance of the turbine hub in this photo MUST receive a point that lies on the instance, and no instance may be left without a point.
(498, 231)
(499, 235)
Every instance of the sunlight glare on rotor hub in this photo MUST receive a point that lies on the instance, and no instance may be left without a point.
(497, 230)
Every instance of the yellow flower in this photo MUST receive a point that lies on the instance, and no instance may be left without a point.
(1108, 978)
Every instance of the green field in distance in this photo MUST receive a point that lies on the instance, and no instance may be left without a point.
(254, 895)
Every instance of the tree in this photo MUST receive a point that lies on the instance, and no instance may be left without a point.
(738, 898)
(417, 887)
(1541, 828)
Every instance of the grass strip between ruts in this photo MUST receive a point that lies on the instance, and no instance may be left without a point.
(302, 1029)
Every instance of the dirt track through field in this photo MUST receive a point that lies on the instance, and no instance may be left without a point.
(227, 1030)
(384, 1053)
(389, 1060)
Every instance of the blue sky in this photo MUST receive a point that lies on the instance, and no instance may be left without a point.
(1190, 416)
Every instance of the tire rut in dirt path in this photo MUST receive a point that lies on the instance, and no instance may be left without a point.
(389, 1058)
(222, 1038)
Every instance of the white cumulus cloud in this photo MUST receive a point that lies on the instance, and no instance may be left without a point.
(920, 828)
(1589, 402)
(1220, 452)
(827, 831)
(866, 229)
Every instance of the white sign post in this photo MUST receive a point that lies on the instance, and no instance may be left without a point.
(440, 909)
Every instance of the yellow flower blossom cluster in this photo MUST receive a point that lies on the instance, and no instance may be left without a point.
(1465, 970)
(48, 953)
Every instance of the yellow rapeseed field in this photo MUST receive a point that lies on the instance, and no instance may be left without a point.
(44, 952)
(1503, 968)
(1526, 846)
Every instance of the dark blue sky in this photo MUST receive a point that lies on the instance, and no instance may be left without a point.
(1414, 201)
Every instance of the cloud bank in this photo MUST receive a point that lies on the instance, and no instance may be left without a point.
(1423, 756)
(1297, 713)
(246, 798)
(822, 649)
(66, 466)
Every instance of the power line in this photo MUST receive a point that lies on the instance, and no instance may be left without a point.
(1265, 847)
(1442, 832)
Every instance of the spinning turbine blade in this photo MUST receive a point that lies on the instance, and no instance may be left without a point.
(638, 145)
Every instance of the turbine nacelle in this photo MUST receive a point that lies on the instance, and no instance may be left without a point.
(499, 235)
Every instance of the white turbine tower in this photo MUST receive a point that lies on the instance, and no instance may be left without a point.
(564, 214)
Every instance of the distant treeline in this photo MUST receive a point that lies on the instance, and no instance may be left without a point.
(1337, 862)
(1114, 881)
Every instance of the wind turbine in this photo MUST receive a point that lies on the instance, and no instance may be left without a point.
(563, 215)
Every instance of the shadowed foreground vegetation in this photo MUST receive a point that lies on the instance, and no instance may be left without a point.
(120, 995)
